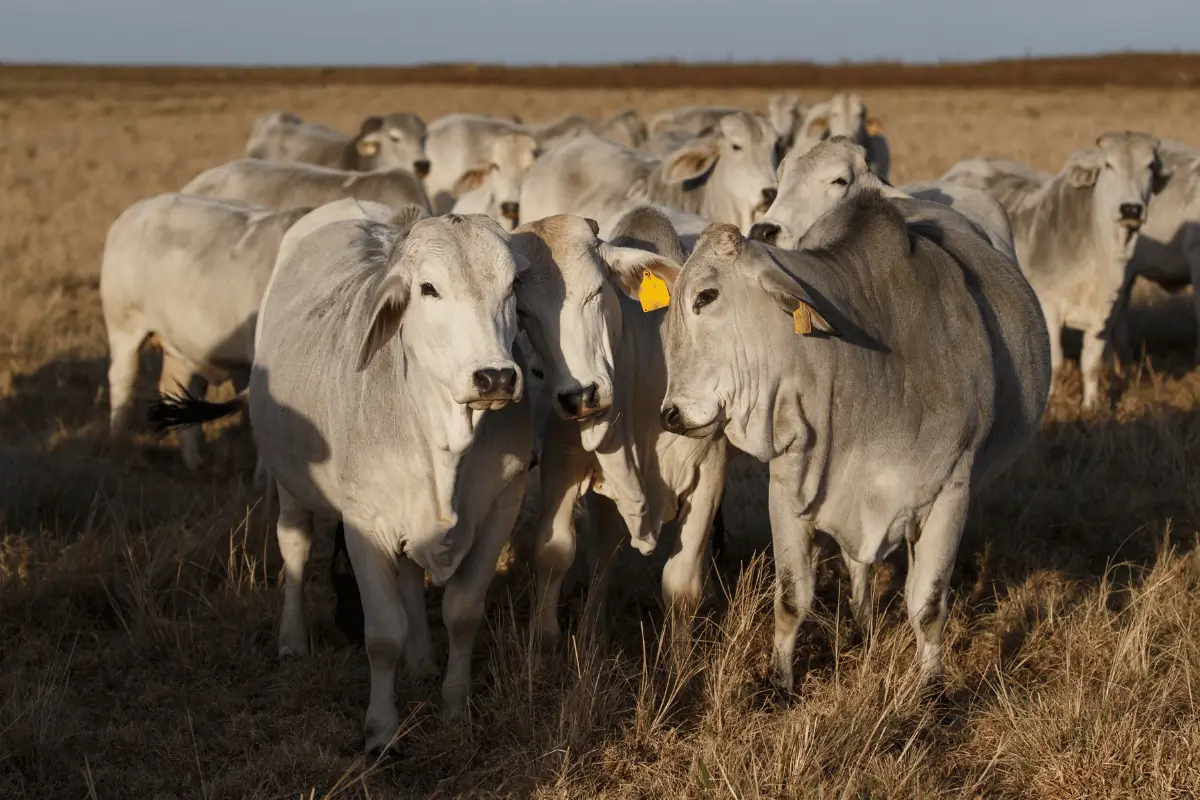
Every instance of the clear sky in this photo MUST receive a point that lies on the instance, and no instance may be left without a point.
(582, 31)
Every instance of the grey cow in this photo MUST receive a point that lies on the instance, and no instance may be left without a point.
(728, 176)
(397, 140)
(885, 376)
(277, 184)
(813, 181)
(1075, 234)
(635, 475)
(191, 271)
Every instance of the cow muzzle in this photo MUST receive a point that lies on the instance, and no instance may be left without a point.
(494, 388)
(674, 421)
(421, 167)
(511, 212)
(765, 232)
(1131, 215)
(580, 404)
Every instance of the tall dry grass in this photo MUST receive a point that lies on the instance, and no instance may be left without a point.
(138, 602)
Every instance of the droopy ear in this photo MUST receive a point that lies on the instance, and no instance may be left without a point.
(472, 179)
(406, 216)
(691, 161)
(629, 264)
(793, 298)
(391, 300)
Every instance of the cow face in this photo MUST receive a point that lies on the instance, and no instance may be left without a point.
(449, 295)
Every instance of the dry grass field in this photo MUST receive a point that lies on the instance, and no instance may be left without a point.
(138, 601)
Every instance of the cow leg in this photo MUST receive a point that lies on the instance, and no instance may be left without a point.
(795, 578)
(1091, 360)
(930, 561)
(608, 533)
(294, 534)
(1054, 328)
(554, 551)
(123, 349)
(418, 647)
(860, 591)
(686, 568)
(1118, 323)
(385, 629)
(176, 373)
(466, 593)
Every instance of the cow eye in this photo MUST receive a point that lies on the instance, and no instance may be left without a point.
(704, 298)
(428, 290)
(736, 147)
(839, 181)
(495, 167)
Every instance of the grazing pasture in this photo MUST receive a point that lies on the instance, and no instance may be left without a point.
(138, 600)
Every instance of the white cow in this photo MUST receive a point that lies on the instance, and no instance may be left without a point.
(884, 376)
(191, 271)
(277, 184)
(635, 475)
(728, 176)
(384, 386)
(846, 115)
(1168, 245)
(493, 187)
(397, 140)
(1075, 234)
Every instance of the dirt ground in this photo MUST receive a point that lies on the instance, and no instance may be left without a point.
(138, 601)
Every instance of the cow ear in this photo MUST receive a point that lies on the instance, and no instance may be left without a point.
(367, 148)
(472, 179)
(370, 125)
(391, 300)
(691, 161)
(1083, 175)
(630, 266)
(793, 298)
(406, 216)
(817, 127)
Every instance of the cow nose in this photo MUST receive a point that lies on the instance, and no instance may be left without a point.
(671, 420)
(421, 167)
(510, 211)
(1131, 211)
(580, 402)
(769, 194)
(495, 381)
(766, 232)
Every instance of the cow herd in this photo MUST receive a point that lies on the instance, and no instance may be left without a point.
(424, 321)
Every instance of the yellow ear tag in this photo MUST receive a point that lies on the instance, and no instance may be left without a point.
(802, 320)
(874, 127)
(653, 292)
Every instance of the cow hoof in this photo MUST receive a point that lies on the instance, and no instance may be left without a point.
(380, 740)
(454, 703)
(292, 646)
